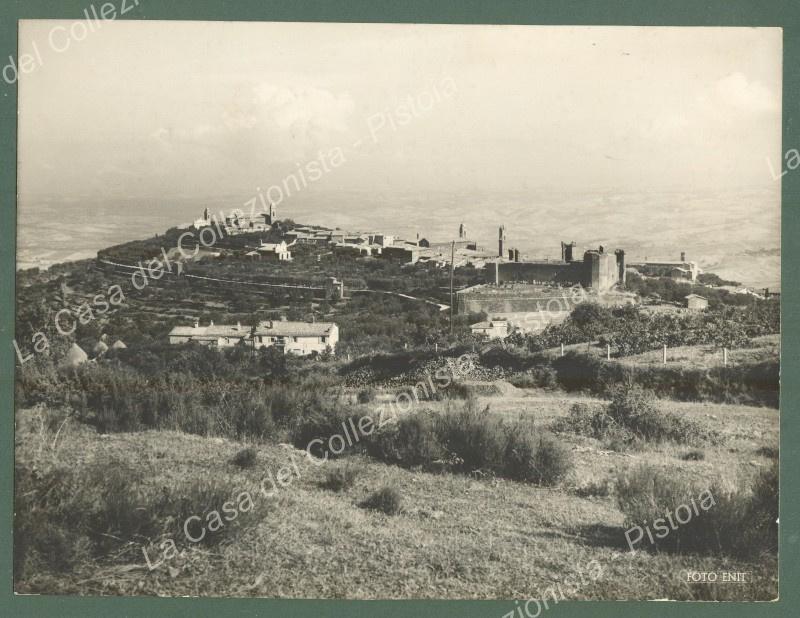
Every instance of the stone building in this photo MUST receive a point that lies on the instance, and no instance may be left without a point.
(598, 270)
(696, 302)
(299, 338)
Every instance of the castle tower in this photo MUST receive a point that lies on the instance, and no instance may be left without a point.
(501, 241)
(566, 251)
(620, 266)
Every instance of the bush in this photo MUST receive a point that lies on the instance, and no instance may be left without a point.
(470, 440)
(579, 420)
(633, 409)
(693, 455)
(739, 523)
(770, 452)
(386, 500)
(535, 459)
(66, 516)
(594, 489)
(246, 458)
(410, 441)
(341, 478)
(476, 438)
(539, 376)
(551, 461)
(320, 423)
(367, 395)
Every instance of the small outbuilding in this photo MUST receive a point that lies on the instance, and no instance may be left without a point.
(493, 329)
(119, 345)
(696, 302)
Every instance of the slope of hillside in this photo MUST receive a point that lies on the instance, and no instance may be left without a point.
(457, 537)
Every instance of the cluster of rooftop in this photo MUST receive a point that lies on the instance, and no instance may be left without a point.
(298, 338)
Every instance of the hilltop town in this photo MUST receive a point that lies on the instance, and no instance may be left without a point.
(486, 293)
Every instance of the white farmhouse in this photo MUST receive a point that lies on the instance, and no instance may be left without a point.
(493, 329)
(300, 338)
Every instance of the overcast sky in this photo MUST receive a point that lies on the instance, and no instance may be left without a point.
(198, 108)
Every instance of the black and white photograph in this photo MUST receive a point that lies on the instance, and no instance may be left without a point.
(363, 311)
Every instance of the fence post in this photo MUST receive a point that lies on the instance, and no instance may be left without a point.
(436, 347)
(664, 355)
(562, 349)
(608, 351)
(725, 356)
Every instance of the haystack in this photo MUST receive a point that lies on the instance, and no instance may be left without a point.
(75, 356)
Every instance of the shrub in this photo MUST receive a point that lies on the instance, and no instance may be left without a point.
(471, 440)
(367, 395)
(386, 500)
(739, 523)
(340, 478)
(634, 409)
(579, 420)
(594, 489)
(410, 441)
(475, 437)
(200, 499)
(246, 458)
(769, 452)
(551, 461)
(539, 376)
(535, 459)
(693, 455)
(67, 515)
(320, 424)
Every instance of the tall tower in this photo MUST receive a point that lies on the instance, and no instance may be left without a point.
(273, 214)
(462, 232)
(501, 240)
(620, 266)
(566, 251)
(205, 214)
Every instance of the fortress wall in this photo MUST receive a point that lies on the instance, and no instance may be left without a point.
(520, 298)
(564, 273)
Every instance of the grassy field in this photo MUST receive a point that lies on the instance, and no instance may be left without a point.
(456, 537)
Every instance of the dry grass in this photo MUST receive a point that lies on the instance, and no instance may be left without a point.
(457, 537)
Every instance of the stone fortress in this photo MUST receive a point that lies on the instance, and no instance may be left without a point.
(598, 270)
(531, 294)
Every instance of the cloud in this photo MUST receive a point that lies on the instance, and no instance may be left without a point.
(736, 90)
(292, 121)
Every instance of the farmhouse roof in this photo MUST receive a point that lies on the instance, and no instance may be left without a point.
(119, 344)
(695, 296)
(490, 324)
(211, 331)
(280, 328)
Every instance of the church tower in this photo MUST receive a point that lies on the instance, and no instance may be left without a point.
(501, 240)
